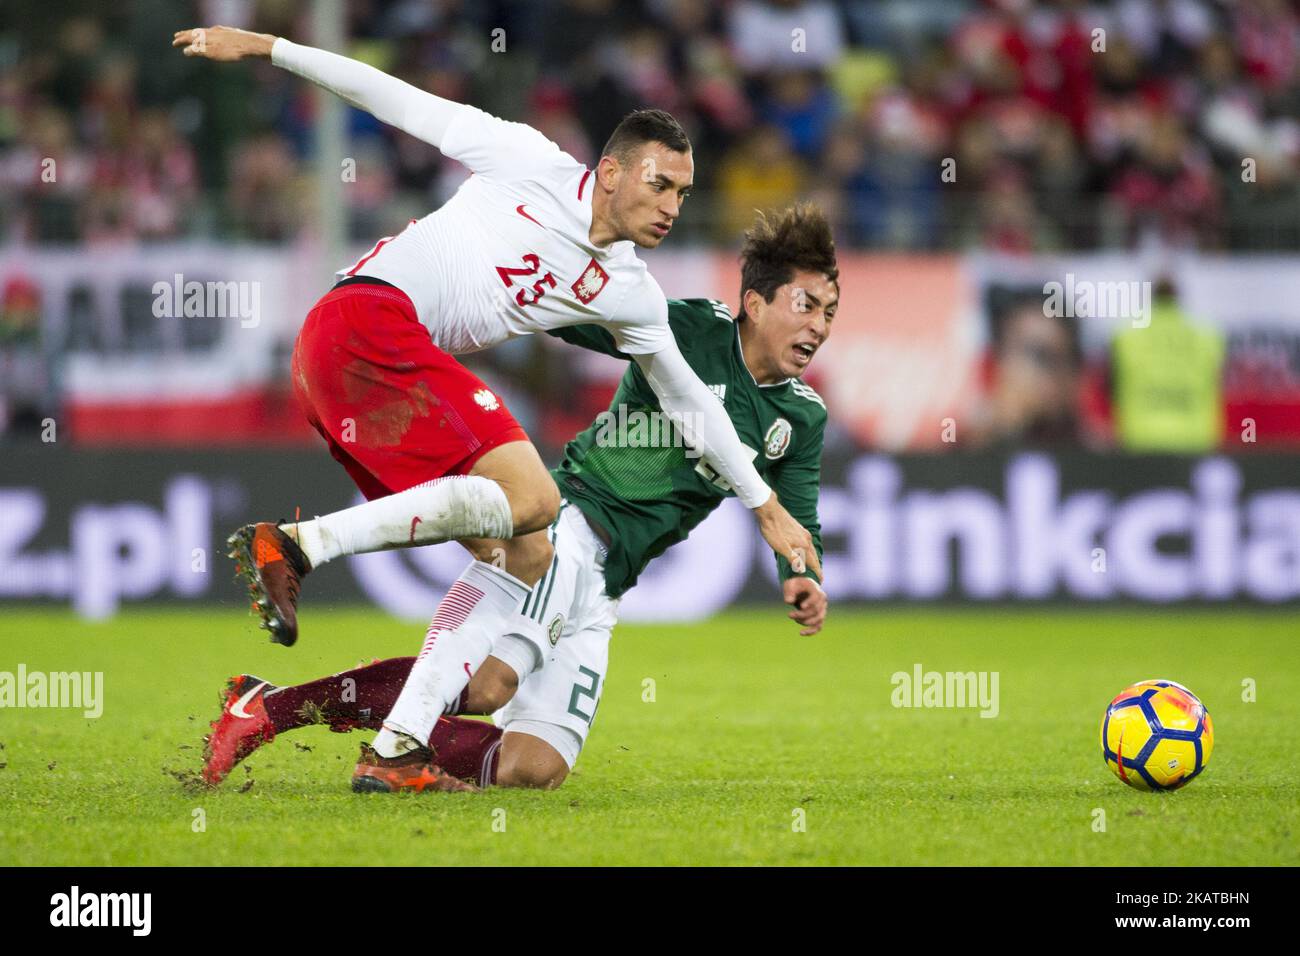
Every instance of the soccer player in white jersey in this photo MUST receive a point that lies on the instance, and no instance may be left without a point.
(532, 241)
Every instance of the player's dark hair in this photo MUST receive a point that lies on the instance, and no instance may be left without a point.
(646, 126)
(776, 246)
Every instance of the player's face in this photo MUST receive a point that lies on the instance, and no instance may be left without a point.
(787, 332)
(649, 194)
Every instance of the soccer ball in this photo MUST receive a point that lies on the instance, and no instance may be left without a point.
(1156, 735)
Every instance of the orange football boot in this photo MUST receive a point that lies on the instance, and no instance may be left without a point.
(411, 771)
(273, 566)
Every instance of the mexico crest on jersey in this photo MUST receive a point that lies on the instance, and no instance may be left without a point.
(588, 286)
(777, 439)
(556, 628)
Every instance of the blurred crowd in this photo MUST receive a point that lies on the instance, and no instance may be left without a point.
(1004, 125)
(919, 124)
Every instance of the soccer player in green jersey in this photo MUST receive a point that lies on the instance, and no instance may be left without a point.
(631, 490)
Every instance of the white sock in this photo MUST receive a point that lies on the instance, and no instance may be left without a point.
(445, 509)
(480, 606)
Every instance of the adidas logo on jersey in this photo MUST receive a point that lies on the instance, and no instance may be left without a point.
(720, 392)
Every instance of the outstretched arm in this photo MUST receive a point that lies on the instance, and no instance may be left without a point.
(391, 100)
(798, 482)
(704, 423)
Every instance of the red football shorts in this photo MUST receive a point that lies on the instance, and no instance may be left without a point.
(395, 409)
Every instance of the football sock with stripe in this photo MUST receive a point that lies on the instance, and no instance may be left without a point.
(445, 509)
(468, 749)
(483, 603)
(361, 697)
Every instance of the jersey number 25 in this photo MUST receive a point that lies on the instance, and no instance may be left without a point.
(508, 276)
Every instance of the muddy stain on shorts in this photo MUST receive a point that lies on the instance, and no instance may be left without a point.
(360, 378)
(388, 424)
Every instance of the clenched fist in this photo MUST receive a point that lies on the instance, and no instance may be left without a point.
(808, 601)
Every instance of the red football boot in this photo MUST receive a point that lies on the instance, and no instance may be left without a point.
(242, 727)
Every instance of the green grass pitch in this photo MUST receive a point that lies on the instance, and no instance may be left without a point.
(750, 723)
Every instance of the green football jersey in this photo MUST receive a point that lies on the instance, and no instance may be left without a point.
(631, 473)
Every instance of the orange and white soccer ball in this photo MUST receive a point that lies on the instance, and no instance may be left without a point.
(1156, 735)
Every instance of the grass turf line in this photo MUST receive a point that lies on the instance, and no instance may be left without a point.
(750, 722)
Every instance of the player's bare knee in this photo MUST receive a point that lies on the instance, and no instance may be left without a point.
(535, 777)
(529, 762)
(535, 507)
(490, 695)
(552, 779)
(528, 557)
(492, 687)
(522, 475)
(488, 550)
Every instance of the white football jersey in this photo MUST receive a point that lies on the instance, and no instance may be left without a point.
(509, 253)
